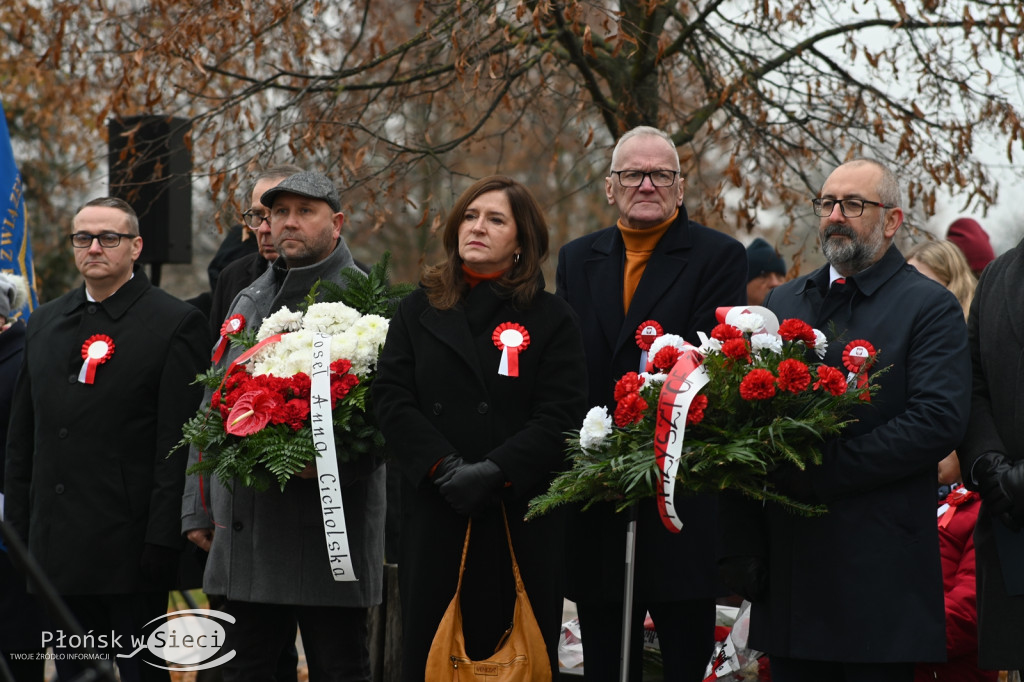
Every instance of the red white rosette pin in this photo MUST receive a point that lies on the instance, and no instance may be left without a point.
(646, 334)
(858, 356)
(512, 339)
(96, 350)
(232, 325)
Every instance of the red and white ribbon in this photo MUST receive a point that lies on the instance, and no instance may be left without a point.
(232, 325)
(321, 421)
(646, 334)
(730, 315)
(512, 339)
(96, 350)
(682, 384)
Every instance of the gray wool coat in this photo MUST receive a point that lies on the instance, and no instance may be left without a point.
(269, 547)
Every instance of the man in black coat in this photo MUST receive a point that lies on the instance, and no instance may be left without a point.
(856, 593)
(655, 266)
(91, 482)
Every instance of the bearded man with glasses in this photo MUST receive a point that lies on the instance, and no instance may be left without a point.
(654, 270)
(856, 593)
(92, 484)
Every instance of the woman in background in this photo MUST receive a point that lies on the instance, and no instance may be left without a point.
(481, 376)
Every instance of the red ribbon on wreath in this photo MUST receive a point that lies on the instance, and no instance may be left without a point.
(511, 339)
(96, 350)
(646, 334)
(232, 325)
(858, 356)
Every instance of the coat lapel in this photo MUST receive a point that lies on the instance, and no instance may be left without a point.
(604, 277)
(451, 328)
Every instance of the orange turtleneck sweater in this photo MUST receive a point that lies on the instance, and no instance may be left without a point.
(640, 245)
(473, 278)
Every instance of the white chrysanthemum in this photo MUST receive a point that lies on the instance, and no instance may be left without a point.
(766, 342)
(330, 318)
(708, 345)
(673, 340)
(749, 323)
(652, 379)
(596, 427)
(283, 320)
(820, 344)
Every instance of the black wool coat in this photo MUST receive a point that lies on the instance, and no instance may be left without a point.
(88, 477)
(692, 271)
(438, 392)
(863, 582)
(996, 334)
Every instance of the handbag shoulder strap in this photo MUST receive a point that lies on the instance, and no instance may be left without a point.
(520, 588)
(465, 550)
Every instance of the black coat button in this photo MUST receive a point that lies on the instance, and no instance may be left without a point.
(483, 408)
(437, 408)
(72, 378)
(237, 525)
(62, 433)
(59, 488)
(91, 309)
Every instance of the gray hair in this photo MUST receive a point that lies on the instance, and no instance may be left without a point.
(119, 204)
(275, 173)
(643, 131)
(888, 187)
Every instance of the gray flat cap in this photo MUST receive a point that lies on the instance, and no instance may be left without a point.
(306, 184)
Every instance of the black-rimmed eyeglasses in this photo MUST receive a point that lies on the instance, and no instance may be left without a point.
(851, 208)
(108, 240)
(635, 178)
(253, 220)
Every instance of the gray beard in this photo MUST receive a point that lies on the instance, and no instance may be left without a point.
(854, 254)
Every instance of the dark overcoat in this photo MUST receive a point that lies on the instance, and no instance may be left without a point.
(863, 582)
(996, 333)
(438, 392)
(88, 477)
(692, 271)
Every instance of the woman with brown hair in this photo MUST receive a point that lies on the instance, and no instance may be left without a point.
(481, 376)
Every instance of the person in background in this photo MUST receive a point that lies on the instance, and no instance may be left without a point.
(21, 619)
(654, 268)
(944, 263)
(267, 552)
(468, 434)
(970, 238)
(992, 459)
(765, 270)
(244, 270)
(855, 594)
(93, 481)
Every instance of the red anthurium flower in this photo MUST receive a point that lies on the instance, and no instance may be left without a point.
(830, 379)
(251, 412)
(793, 376)
(759, 384)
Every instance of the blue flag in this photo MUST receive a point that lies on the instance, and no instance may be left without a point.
(15, 249)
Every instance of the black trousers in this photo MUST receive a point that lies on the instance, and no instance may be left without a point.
(686, 633)
(801, 670)
(334, 639)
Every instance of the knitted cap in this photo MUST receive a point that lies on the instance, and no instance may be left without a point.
(13, 293)
(762, 258)
(967, 234)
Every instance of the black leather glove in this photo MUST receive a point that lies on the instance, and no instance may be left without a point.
(446, 467)
(1001, 483)
(473, 487)
(747, 576)
(159, 565)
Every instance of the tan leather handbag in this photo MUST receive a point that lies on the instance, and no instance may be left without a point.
(521, 655)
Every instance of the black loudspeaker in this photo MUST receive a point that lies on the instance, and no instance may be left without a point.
(150, 167)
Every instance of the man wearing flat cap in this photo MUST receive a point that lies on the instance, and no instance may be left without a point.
(268, 555)
(765, 270)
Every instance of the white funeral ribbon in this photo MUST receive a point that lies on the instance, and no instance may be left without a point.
(322, 423)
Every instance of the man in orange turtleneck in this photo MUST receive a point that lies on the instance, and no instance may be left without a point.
(654, 270)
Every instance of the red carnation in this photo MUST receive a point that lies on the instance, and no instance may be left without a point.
(629, 383)
(341, 366)
(341, 385)
(793, 376)
(736, 349)
(797, 330)
(724, 332)
(666, 358)
(294, 413)
(695, 415)
(759, 384)
(830, 379)
(630, 409)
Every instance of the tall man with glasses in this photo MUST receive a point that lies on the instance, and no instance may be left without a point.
(856, 593)
(91, 480)
(654, 269)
